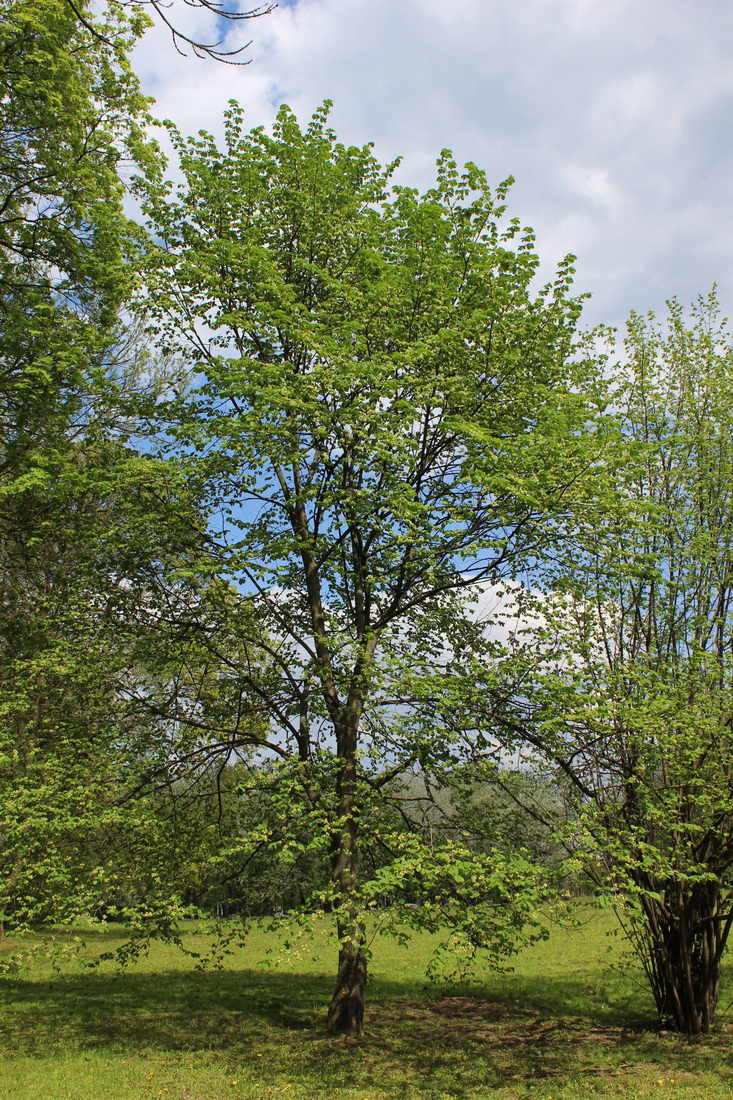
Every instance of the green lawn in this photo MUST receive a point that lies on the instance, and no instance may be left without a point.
(561, 1025)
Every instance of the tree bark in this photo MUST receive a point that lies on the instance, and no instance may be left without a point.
(346, 1011)
(686, 934)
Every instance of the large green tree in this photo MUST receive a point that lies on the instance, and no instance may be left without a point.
(625, 681)
(383, 415)
(71, 117)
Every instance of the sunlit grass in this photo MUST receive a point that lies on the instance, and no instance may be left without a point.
(562, 1024)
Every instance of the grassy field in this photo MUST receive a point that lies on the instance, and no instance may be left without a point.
(563, 1024)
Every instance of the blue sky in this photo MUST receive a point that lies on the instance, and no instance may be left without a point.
(614, 116)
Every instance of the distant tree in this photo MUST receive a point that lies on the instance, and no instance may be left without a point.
(383, 416)
(625, 682)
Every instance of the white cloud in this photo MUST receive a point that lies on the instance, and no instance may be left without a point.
(615, 117)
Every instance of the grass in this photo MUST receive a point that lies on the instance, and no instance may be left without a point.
(561, 1025)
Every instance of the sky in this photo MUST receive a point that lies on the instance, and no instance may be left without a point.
(615, 117)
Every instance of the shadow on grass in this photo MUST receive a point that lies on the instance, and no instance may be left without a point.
(437, 1038)
(169, 1010)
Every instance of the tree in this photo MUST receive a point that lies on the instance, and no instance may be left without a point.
(80, 822)
(71, 378)
(65, 119)
(91, 532)
(70, 113)
(625, 681)
(382, 416)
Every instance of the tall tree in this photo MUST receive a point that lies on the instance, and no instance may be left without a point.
(626, 684)
(383, 416)
(71, 117)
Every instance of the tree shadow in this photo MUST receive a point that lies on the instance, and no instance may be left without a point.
(168, 1010)
(428, 1036)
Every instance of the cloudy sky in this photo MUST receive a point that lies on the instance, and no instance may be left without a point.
(614, 116)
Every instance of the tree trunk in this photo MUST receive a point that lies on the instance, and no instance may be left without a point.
(685, 935)
(346, 1011)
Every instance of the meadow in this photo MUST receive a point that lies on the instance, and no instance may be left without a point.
(571, 1020)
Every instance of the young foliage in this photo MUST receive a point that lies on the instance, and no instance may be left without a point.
(87, 527)
(88, 817)
(383, 415)
(71, 118)
(626, 683)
